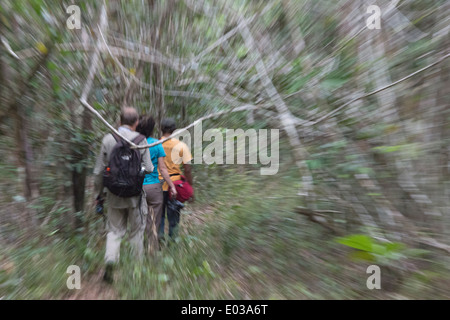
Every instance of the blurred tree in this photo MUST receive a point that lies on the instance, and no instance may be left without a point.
(363, 112)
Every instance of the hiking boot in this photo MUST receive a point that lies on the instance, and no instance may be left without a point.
(108, 276)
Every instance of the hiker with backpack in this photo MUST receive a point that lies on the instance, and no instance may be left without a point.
(177, 152)
(121, 170)
(152, 185)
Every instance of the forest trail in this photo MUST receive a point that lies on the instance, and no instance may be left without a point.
(93, 287)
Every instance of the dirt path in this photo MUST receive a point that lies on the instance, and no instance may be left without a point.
(93, 289)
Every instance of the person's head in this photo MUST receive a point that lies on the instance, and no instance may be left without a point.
(129, 117)
(146, 126)
(168, 126)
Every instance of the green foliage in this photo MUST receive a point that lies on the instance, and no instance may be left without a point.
(251, 243)
(368, 249)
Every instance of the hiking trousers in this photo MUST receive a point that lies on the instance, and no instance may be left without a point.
(118, 220)
(155, 206)
(173, 216)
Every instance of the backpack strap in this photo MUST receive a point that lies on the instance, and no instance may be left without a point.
(138, 139)
(115, 136)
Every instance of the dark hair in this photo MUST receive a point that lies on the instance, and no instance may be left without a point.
(128, 116)
(146, 126)
(168, 125)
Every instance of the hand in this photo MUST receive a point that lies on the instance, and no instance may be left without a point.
(192, 199)
(98, 200)
(99, 205)
(173, 192)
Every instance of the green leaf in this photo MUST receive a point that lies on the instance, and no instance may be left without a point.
(89, 254)
(378, 249)
(387, 149)
(163, 277)
(333, 84)
(242, 52)
(53, 232)
(394, 246)
(52, 66)
(206, 266)
(357, 241)
(362, 256)
(37, 6)
(168, 261)
(97, 106)
(313, 164)
(254, 270)
(374, 194)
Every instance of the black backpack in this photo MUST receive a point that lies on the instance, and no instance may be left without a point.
(124, 175)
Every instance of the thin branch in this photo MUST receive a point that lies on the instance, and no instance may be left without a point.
(198, 79)
(89, 84)
(311, 123)
(122, 67)
(118, 51)
(149, 50)
(212, 115)
(95, 58)
(433, 243)
(312, 215)
(340, 46)
(148, 85)
(91, 75)
(25, 83)
(175, 93)
(284, 114)
(8, 48)
(227, 36)
(95, 112)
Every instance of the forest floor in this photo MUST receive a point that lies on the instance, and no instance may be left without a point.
(94, 288)
(235, 247)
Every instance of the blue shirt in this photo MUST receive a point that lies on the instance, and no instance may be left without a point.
(155, 152)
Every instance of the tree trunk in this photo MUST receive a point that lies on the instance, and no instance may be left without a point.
(79, 171)
(156, 69)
